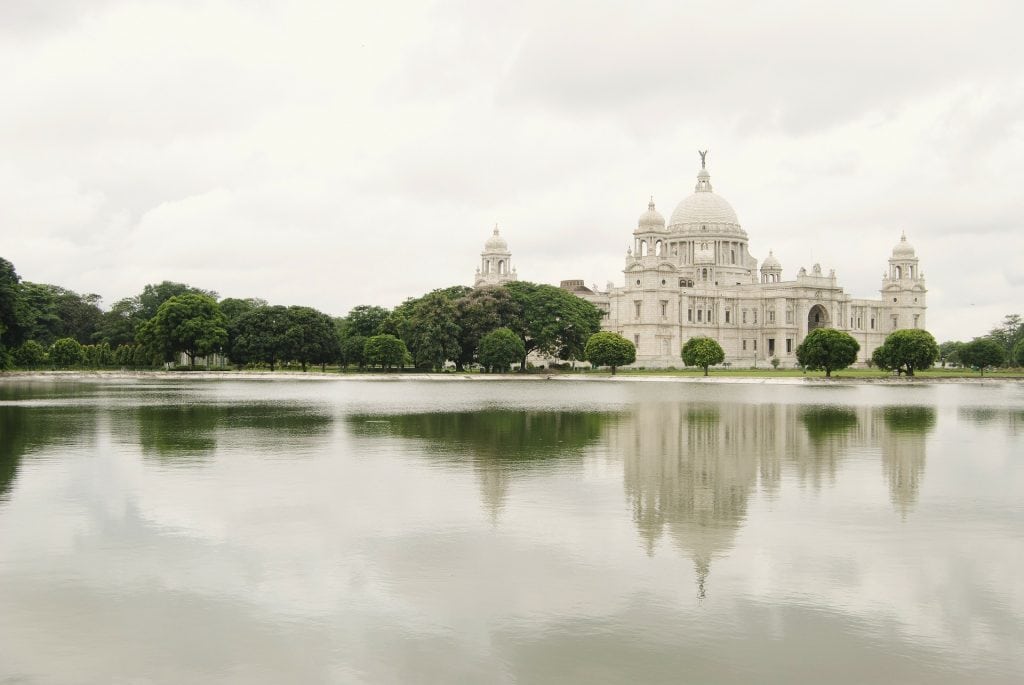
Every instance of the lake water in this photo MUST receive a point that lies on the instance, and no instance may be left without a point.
(344, 531)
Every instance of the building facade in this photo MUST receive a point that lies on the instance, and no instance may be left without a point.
(694, 276)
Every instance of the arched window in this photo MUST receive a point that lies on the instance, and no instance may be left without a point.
(704, 274)
(501, 266)
(899, 273)
(657, 248)
(487, 266)
(643, 248)
(733, 256)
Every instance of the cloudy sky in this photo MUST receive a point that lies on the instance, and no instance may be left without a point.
(335, 154)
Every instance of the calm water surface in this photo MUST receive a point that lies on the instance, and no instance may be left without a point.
(510, 532)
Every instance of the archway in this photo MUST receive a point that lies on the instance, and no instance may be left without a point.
(817, 318)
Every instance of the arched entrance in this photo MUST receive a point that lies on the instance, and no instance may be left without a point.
(817, 318)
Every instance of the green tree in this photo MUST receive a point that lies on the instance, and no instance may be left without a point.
(609, 349)
(1018, 353)
(949, 352)
(499, 349)
(120, 325)
(481, 311)
(260, 337)
(386, 351)
(906, 351)
(311, 337)
(983, 353)
(433, 332)
(828, 349)
(30, 355)
(66, 352)
(188, 323)
(554, 321)
(54, 312)
(234, 307)
(155, 294)
(703, 352)
(364, 320)
(353, 351)
(13, 319)
(1008, 334)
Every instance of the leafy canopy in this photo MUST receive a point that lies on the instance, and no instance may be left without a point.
(500, 348)
(906, 351)
(703, 352)
(188, 323)
(828, 349)
(983, 353)
(609, 349)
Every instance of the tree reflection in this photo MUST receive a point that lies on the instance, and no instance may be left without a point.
(185, 434)
(496, 442)
(27, 429)
(903, 451)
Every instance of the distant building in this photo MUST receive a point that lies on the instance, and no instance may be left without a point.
(695, 276)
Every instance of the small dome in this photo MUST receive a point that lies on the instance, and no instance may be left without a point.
(770, 263)
(903, 249)
(651, 220)
(496, 243)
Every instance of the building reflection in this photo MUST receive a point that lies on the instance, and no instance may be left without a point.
(690, 469)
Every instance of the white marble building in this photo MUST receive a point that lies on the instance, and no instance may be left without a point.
(694, 276)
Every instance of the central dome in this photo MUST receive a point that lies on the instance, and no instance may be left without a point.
(704, 207)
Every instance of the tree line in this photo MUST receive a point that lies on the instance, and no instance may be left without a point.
(44, 325)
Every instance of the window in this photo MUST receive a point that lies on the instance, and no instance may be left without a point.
(771, 347)
(895, 321)
(744, 344)
(744, 316)
(789, 316)
(636, 341)
(689, 315)
(872, 323)
(704, 274)
(789, 346)
(894, 299)
(664, 308)
(734, 256)
(700, 314)
(755, 317)
(858, 322)
(917, 317)
(637, 304)
(709, 316)
(727, 316)
(755, 345)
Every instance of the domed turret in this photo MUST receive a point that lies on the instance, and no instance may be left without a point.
(903, 249)
(650, 220)
(495, 262)
(771, 269)
(496, 243)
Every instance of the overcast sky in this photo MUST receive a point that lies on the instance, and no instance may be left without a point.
(335, 154)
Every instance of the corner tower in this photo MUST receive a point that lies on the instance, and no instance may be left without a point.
(903, 289)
